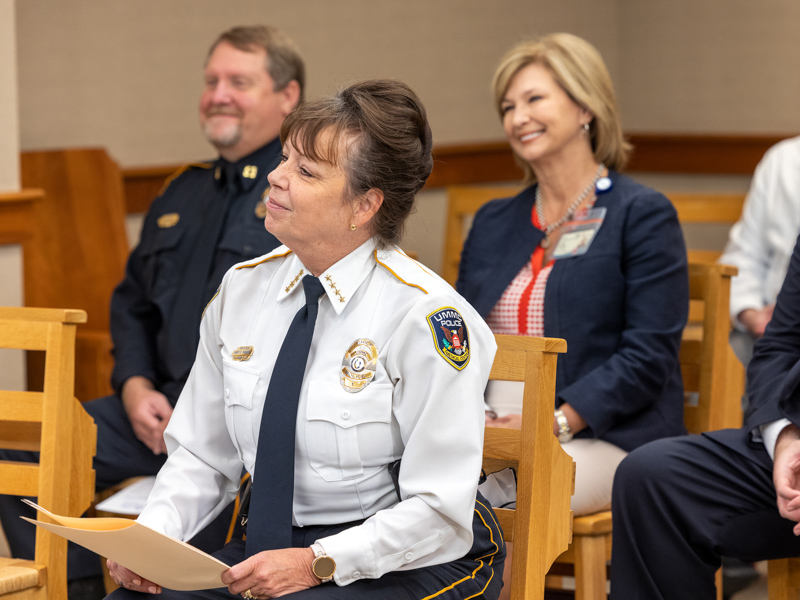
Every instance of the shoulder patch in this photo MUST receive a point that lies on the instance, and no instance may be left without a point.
(450, 336)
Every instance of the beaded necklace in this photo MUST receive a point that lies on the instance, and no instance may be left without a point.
(548, 229)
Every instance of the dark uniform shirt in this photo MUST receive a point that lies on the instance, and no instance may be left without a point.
(149, 304)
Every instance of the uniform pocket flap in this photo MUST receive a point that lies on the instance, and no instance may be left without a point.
(329, 402)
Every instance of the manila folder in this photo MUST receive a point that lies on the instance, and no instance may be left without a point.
(159, 558)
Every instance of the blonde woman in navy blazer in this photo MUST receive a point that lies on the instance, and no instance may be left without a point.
(622, 304)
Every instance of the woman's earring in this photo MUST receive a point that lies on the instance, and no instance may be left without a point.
(352, 226)
(586, 128)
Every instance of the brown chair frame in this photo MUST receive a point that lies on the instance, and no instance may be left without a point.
(541, 525)
(53, 423)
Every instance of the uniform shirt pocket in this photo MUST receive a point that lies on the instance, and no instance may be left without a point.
(160, 266)
(346, 433)
(240, 389)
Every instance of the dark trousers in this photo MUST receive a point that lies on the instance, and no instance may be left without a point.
(478, 575)
(680, 504)
(120, 455)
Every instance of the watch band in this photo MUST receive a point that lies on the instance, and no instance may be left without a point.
(323, 566)
(564, 432)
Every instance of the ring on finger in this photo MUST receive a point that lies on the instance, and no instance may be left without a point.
(248, 595)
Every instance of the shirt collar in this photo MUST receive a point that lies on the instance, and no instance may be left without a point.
(254, 167)
(341, 281)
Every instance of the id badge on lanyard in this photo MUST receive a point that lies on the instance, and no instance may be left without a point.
(577, 235)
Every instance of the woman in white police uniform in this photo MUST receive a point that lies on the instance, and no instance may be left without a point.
(396, 370)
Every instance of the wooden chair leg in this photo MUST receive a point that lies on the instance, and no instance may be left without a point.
(718, 581)
(783, 579)
(590, 567)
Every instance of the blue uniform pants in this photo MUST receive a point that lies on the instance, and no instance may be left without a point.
(477, 575)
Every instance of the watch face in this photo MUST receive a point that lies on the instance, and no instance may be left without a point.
(324, 567)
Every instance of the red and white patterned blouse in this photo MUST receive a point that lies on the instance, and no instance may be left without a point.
(520, 310)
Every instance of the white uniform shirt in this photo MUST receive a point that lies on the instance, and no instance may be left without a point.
(419, 406)
(762, 240)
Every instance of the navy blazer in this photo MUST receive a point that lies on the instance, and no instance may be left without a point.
(621, 307)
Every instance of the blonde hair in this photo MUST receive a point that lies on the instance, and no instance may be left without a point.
(579, 69)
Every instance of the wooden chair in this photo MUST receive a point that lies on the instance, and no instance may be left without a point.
(53, 423)
(540, 527)
(783, 579)
(78, 253)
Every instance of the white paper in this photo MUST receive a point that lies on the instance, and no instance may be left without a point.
(130, 500)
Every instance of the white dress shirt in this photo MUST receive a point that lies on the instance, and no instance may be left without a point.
(419, 406)
(762, 240)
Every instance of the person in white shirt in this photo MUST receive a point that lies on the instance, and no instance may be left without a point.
(396, 371)
(681, 503)
(761, 243)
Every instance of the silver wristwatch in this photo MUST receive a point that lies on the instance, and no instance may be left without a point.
(564, 432)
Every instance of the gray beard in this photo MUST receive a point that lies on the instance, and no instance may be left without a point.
(226, 138)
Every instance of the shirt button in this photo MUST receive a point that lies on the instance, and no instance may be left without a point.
(345, 415)
(356, 574)
(227, 393)
(248, 249)
(408, 556)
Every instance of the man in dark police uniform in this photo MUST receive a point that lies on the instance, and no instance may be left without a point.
(208, 217)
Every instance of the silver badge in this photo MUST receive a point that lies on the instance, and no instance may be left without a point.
(358, 365)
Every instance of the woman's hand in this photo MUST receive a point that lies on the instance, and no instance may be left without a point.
(130, 580)
(272, 573)
(509, 421)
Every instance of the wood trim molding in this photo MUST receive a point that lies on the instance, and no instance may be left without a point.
(492, 162)
(16, 215)
(705, 154)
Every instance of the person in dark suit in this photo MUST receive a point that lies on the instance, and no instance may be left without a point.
(585, 254)
(208, 217)
(680, 504)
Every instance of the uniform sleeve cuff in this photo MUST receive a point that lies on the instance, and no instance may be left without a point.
(354, 557)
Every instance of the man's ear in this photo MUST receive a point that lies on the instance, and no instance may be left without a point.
(289, 97)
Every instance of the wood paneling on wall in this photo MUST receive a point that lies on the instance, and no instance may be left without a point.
(492, 162)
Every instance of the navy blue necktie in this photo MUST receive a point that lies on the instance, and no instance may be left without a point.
(269, 524)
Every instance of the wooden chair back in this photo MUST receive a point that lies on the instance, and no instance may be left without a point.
(78, 253)
(713, 378)
(53, 423)
(541, 525)
(464, 201)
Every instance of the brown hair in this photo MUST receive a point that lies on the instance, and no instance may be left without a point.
(579, 69)
(388, 145)
(284, 63)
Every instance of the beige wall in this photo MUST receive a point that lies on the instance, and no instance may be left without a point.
(11, 364)
(710, 65)
(12, 374)
(127, 75)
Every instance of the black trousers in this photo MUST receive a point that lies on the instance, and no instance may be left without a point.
(120, 455)
(477, 575)
(680, 504)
